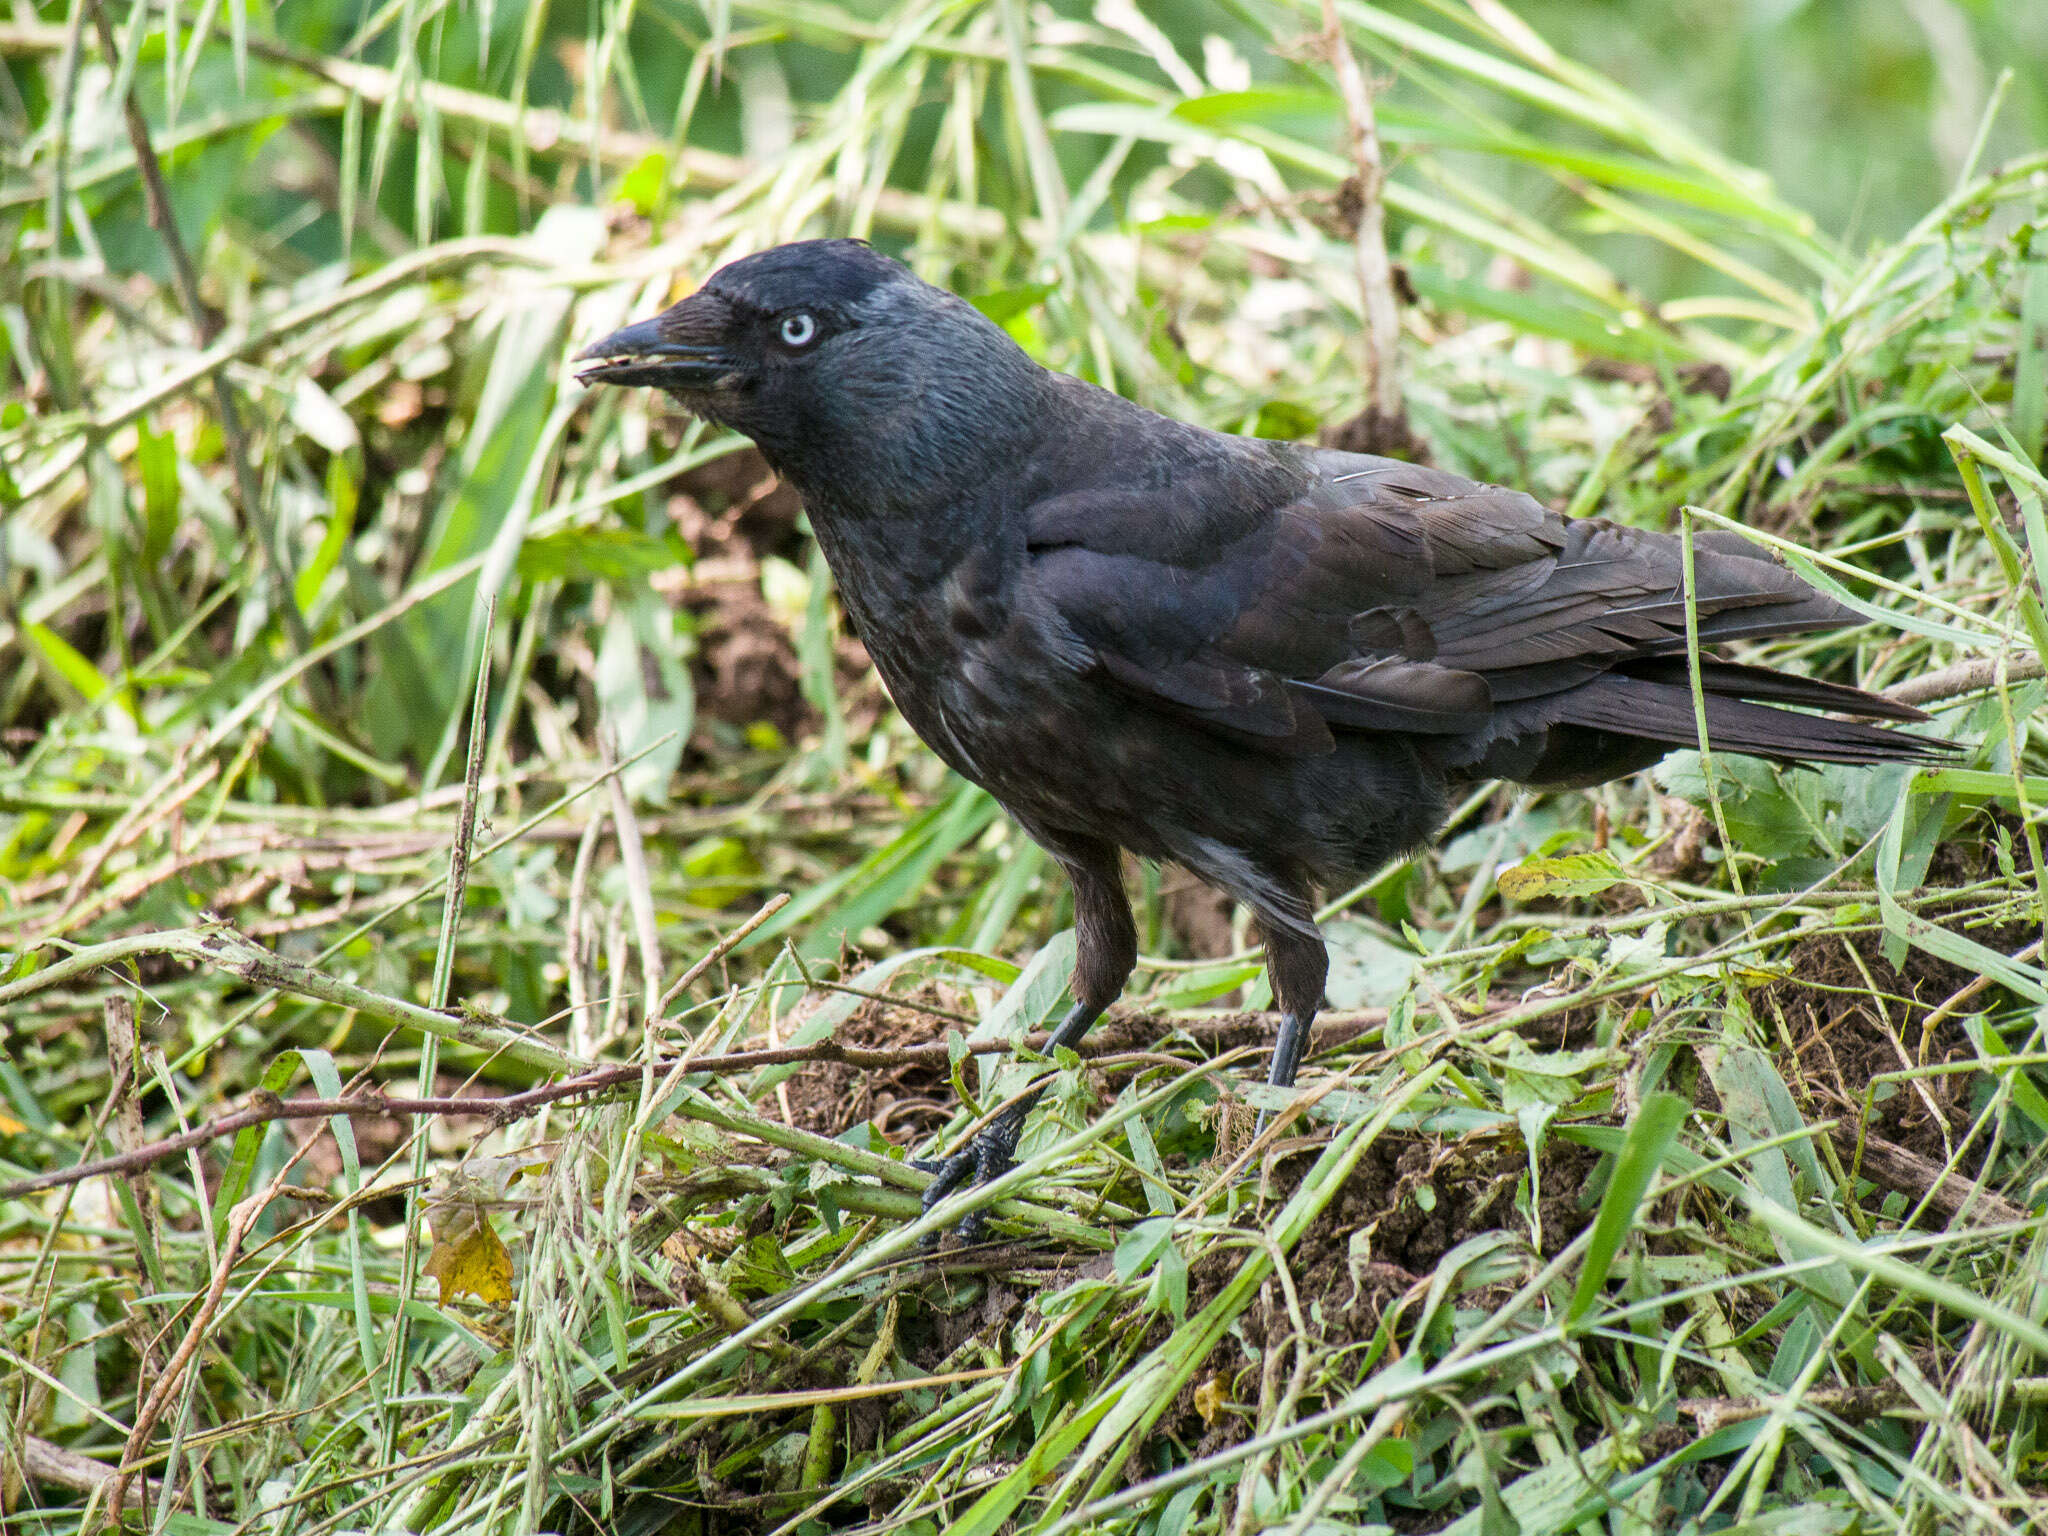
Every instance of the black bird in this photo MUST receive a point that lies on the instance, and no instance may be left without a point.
(1269, 663)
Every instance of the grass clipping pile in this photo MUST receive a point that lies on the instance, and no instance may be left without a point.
(1660, 1167)
(1442, 1203)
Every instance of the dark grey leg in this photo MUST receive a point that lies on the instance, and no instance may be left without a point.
(1106, 951)
(1298, 964)
(992, 1152)
(1289, 1046)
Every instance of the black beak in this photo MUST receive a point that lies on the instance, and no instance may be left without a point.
(654, 353)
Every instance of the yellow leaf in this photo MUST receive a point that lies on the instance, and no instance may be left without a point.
(1210, 1397)
(468, 1258)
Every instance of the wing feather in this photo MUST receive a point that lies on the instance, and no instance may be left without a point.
(1362, 594)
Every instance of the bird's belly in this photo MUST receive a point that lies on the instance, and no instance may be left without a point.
(1051, 752)
(1068, 752)
(1015, 717)
(1075, 754)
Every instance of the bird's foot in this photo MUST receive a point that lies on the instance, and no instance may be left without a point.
(990, 1155)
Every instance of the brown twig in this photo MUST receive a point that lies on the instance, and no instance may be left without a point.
(221, 947)
(1853, 1404)
(240, 1220)
(137, 883)
(263, 1108)
(1947, 1193)
(48, 1463)
(639, 890)
(123, 1051)
(462, 847)
(1964, 677)
(887, 1000)
(579, 946)
(141, 816)
(1949, 1005)
(720, 950)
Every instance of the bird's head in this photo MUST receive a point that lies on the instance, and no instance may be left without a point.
(838, 361)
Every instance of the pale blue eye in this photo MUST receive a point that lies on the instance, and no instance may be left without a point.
(798, 330)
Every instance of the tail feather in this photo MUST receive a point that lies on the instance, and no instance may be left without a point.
(1765, 686)
(1661, 711)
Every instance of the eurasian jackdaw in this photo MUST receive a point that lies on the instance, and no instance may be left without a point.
(1271, 664)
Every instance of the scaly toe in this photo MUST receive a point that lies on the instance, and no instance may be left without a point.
(949, 1173)
(988, 1156)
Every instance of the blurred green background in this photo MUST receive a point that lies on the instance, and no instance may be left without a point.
(1862, 112)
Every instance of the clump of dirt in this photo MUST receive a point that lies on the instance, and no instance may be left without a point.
(904, 1102)
(1970, 855)
(1417, 1198)
(934, 1337)
(910, 1100)
(1853, 1016)
(1711, 379)
(1373, 430)
(1844, 1035)
(1575, 1029)
(747, 665)
(741, 504)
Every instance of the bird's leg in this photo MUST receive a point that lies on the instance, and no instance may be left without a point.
(1298, 965)
(1289, 1046)
(1106, 951)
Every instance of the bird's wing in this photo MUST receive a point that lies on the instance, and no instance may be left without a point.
(1147, 603)
(1581, 641)
(1379, 595)
(1531, 601)
(1265, 618)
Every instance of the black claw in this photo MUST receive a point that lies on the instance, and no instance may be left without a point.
(990, 1155)
(949, 1174)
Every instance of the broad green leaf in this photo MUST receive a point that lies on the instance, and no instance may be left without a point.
(1005, 304)
(1571, 874)
(616, 555)
(76, 668)
(1366, 969)
(645, 183)
(1036, 992)
(645, 690)
(344, 493)
(1139, 1249)
(1285, 420)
